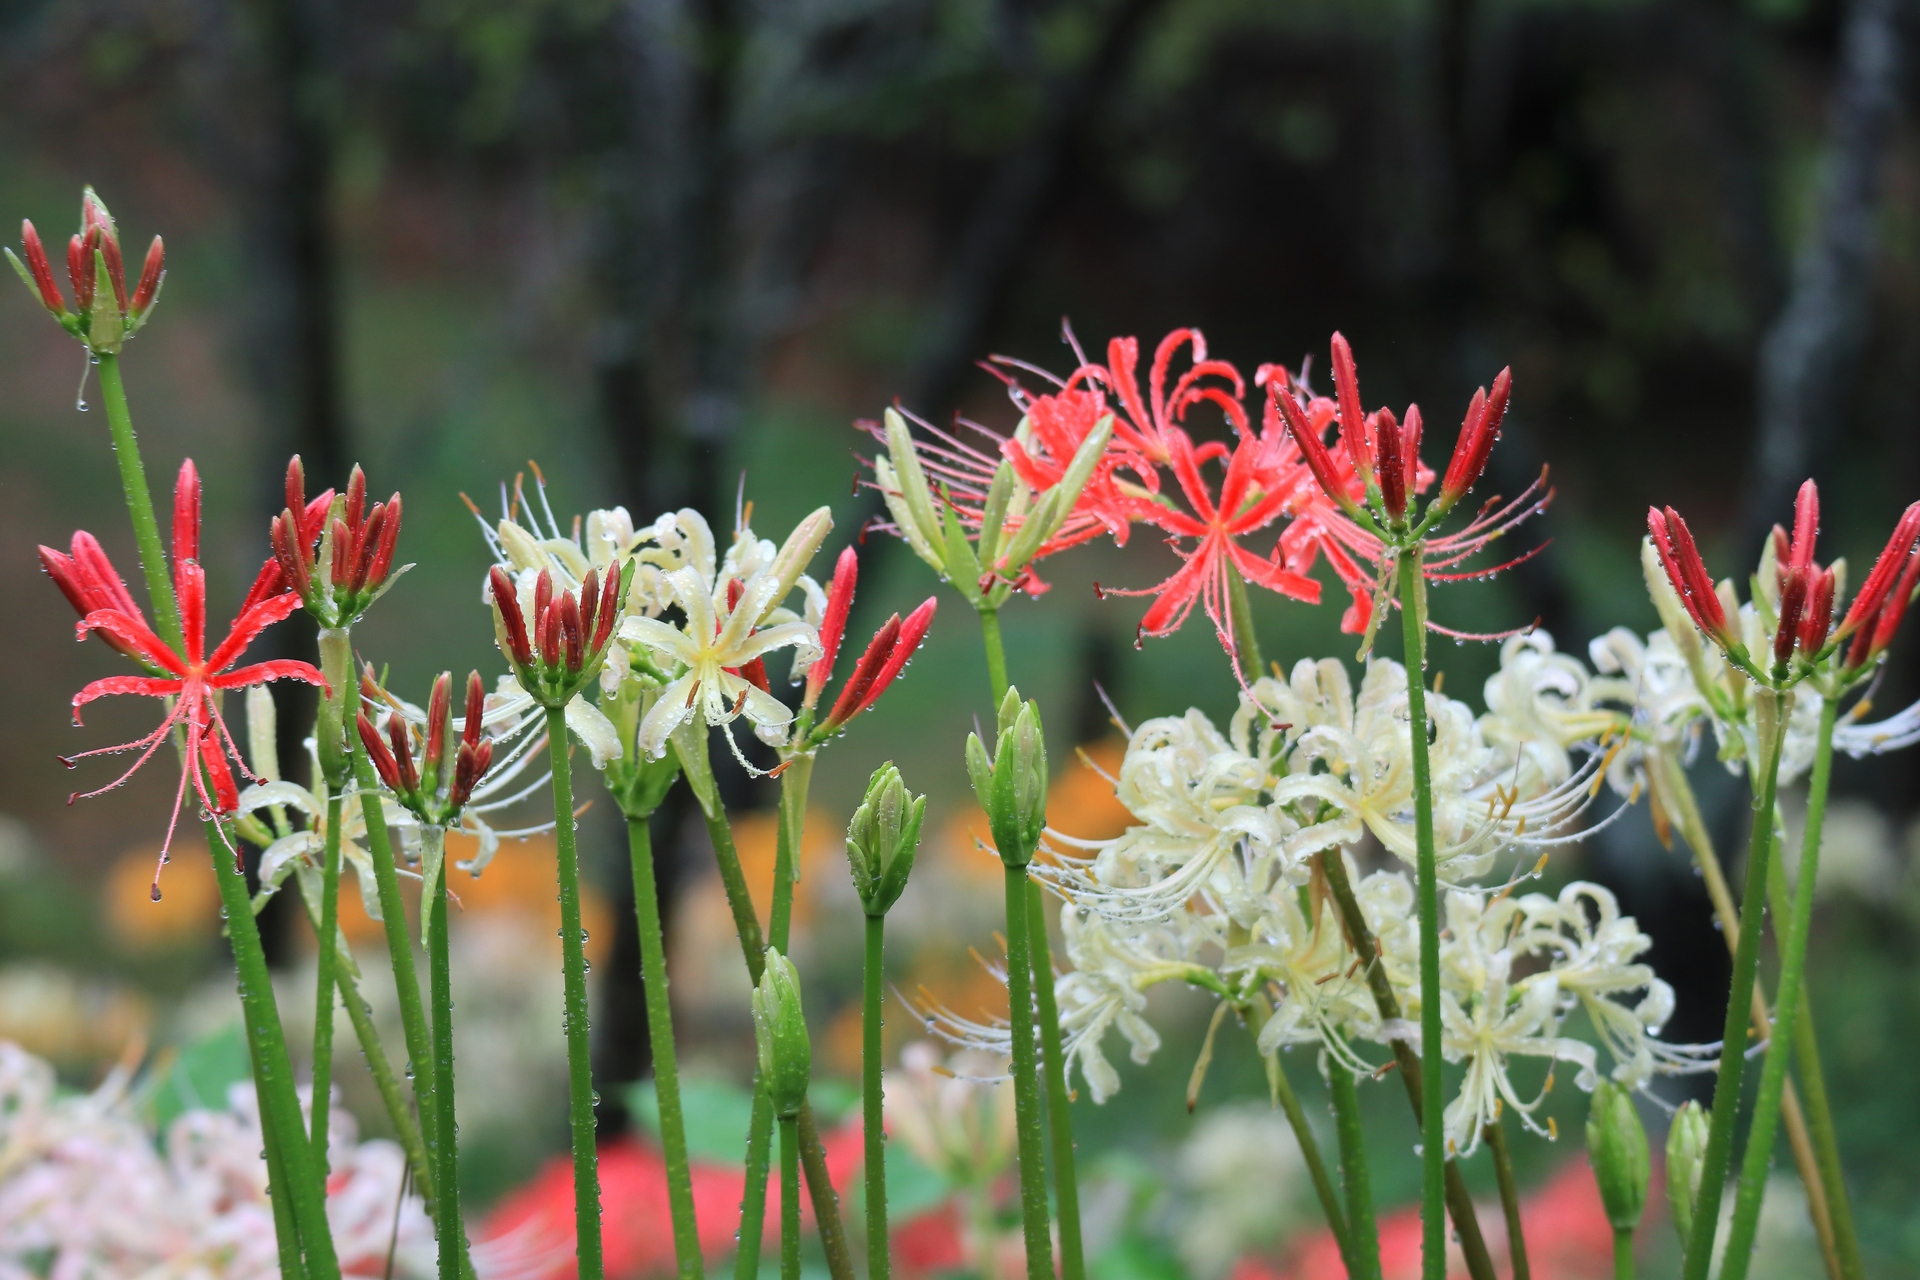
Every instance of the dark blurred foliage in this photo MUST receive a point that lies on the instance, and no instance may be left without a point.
(656, 243)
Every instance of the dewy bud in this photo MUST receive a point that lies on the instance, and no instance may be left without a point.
(797, 552)
(780, 1036)
(1012, 785)
(1686, 1151)
(882, 839)
(908, 497)
(1617, 1148)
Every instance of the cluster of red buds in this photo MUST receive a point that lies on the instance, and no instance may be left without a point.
(1385, 450)
(559, 645)
(885, 658)
(427, 786)
(103, 315)
(1805, 590)
(339, 559)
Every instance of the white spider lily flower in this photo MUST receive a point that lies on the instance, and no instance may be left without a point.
(1895, 732)
(1486, 1017)
(1596, 961)
(1542, 703)
(299, 853)
(1324, 997)
(1352, 765)
(716, 639)
(957, 1118)
(1199, 800)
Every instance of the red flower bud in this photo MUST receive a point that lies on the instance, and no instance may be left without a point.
(365, 546)
(382, 563)
(116, 270)
(1818, 617)
(80, 268)
(402, 752)
(1887, 623)
(912, 632)
(186, 514)
(1393, 468)
(507, 601)
(268, 583)
(42, 269)
(1806, 525)
(572, 638)
(1353, 419)
(356, 497)
(1410, 431)
(468, 767)
(439, 714)
(589, 602)
(150, 273)
(1880, 579)
(608, 613)
(542, 598)
(854, 695)
(383, 761)
(476, 708)
(1313, 449)
(1479, 432)
(296, 484)
(1688, 573)
(833, 624)
(1793, 604)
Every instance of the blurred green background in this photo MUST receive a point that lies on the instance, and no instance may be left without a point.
(658, 245)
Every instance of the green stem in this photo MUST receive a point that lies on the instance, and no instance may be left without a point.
(1309, 1147)
(1240, 614)
(1622, 1255)
(406, 978)
(1053, 1060)
(1746, 960)
(996, 653)
(133, 481)
(1823, 1182)
(580, 1095)
(273, 1071)
(790, 1197)
(449, 1230)
(1434, 1154)
(1026, 1085)
(1363, 1258)
(286, 1232)
(1788, 1000)
(873, 1116)
(328, 936)
(1466, 1222)
(1496, 1136)
(384, 1080)
(666, 1069)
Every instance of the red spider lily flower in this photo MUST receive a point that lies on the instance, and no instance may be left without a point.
(1253, 494)
(190, 675)
(886, 657)
(426, 786)
(1382, 451)
(102, 320)
(357, 544)
(1142, 426)
(558, 643)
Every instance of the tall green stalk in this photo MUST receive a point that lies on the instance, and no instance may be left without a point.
(666, 1069)
(789, 1198)
(1053, 1062)
(448, 1228)
(1433, 1152)
(405, 1127)
(1622, 1255)
(1496, 1136)
(1363, 1237)
(1746, 960)
(1473, 1245)
(873, 1113)
(1066, 1180)
(573, 965)
(1338, 1222)
(133, 482)
(286, 1232)
(1026, 1087)
(1789, 999)
(273, 1070)
(327, 937)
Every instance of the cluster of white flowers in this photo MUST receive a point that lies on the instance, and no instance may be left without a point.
(1217, 884)
(85, 1191)
(732, 610)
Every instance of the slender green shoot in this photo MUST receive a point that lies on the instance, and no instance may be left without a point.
(1053, 1062)
(1496, 1137)
(1363, 1238)
(448, 1228)
(573, 953)
(873, 1115)
(1026, 1085)
(328, 937)
(790, 1198)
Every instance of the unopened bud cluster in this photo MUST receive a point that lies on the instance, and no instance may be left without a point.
(103, 316)
(1011, 784)
(882, 840)
(335, 553)
(558, 640)
(432, 785)
(1617, 1148)
(780, 1036)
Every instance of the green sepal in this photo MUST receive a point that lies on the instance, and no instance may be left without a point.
(963, 567)
(106, 327)
(993, 516)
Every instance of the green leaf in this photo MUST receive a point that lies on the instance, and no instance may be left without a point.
(911, 1186)
(716, 1113)
(200, 1076)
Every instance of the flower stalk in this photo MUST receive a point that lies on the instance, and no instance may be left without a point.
(1496, 1139)
(1363, 1237)
(449, 1231)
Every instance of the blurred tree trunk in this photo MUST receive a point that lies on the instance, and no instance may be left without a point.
(1812, 347)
